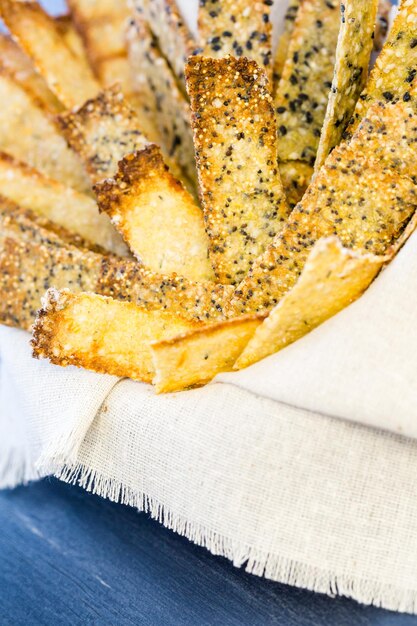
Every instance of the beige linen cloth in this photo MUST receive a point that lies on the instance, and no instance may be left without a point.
(301, 468)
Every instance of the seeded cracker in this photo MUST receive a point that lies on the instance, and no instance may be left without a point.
(353, 55)
(55, 201)
(102, 334)
(194, 358)
(171, 31)
(66, 75)
(295, 176)
(157, 217)
(396, 66)
(284, 40)
(241, 28)
(332, 278)
(34, 258)
(235, 141)
(28, 133)
(366, 206)
(389, 134)
(19, 66)
(102, 131)
(302, 94)
(157, 86)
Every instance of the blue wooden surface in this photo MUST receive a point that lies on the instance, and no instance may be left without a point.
(67, 557)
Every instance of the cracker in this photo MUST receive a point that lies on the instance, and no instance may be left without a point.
(241, 28)
(353, 55)
(395, 67)
(33, 258)
(196, 357)
(389, 134)
(352, 197)
(284, 40)
(303, 91)
(332, 278)
(66, 75)
(102, 132)
(155, 83)
(171, 31)
(71, 36)
(236, 151)
(55, 201)
(28, 133)
(21, 68)
(156, 216)
(295, 176)
(102, 334)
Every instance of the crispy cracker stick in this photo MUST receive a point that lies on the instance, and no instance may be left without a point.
(353, 54)
(156, 86)
(332, 278)
(20, 67)
(34, 258)
(102, 132)
(194, 358)
(235, 141)
(352, 197)
(28, 133)
(71, 36)
(171, 31)
(66, 75)
(157, 217)
(284, 40)
(389, 134)
(102, 28)
(295, 176)
(395, 68)
(102, 334)
(49, 198)
(237, 27)
(303, 91)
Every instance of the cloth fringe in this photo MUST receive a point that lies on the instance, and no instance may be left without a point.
(262, 564)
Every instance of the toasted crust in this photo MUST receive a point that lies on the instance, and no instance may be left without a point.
(102, 132)
(55, 201)
(157, 87)
(332, 278)
(34, 258)
(157, 217)
(366, 206)
(353, 54)
(296, 177)
(27, 133)
(196, 357)
(66, 75)
(284, 41)
(171, 31)
(18, 65)
(235, 142)
(303, 91)
(239, 28)
(394, 69)
(102, 334)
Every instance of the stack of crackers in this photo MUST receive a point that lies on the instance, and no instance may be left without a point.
(172, 207)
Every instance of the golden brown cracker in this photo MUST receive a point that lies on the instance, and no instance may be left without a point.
(353, 55)
(303, 91)
(240, 28)
(236, 151)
